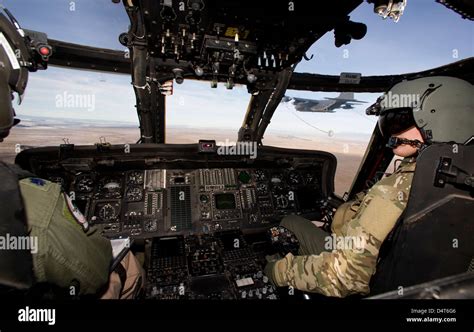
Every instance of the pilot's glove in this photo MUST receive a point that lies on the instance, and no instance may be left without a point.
(270, 268)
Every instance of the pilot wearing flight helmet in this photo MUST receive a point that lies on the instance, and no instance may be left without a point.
(70, 254)
(412, 115)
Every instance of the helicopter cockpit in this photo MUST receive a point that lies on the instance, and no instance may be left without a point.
(200, 213)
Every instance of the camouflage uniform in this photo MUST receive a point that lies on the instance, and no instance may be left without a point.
(345, 271)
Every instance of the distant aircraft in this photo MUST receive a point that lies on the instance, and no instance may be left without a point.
(345, 100)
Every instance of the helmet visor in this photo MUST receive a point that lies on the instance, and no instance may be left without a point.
(394, 121)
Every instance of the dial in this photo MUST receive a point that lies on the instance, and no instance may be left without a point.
(253, 219)
(310, 178)
(294, 178)
(276, 178)
(283, 198)
(135, 177)
(281, 201)
(260, 175)
(84, 184)
(134, 194)
(204, 199)
(110, 187)
(108, 212)
(262, 189)
(150, 226)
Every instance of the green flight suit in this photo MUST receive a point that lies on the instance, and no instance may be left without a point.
(66, 253)
(346, 265)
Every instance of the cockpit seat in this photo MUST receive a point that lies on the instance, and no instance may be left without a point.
(434, 237)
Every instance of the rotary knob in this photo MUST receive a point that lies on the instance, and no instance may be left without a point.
(204, 199)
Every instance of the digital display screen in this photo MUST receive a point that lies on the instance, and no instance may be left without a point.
(225, 201)
(307, 198)
(169, 247)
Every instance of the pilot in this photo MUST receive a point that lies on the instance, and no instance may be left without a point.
(412, 115)
(69, 253)
(70, 256)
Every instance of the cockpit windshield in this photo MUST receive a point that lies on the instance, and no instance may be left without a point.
(82, 106)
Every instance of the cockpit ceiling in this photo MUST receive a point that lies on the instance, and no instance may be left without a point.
(195, 27)
(228, 38)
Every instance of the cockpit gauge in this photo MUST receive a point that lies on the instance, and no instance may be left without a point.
(150, 226)
(262, 189)
(276, 178)
(134, 194)
(281, 201)
(84, 184)
(253, 219)
(110, 187)
(204, 199)
(108, 212)
(135, 177)
(309, 178)
(283, 197)
(294, 178)
(260, 175)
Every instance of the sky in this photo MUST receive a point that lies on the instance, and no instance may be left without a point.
(428, 35)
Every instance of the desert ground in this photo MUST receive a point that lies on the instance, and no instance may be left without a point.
(348, 152)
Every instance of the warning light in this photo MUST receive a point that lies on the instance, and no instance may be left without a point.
(44, 51)
(207, 146)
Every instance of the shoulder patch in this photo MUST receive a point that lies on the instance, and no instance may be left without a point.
(38, 181)
(37, 184)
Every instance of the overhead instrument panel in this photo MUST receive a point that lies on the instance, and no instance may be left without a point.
(228, 41)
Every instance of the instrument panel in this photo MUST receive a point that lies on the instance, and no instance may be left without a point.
(202, 220)
(141, 203)
(142, 196)
(223, 265)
